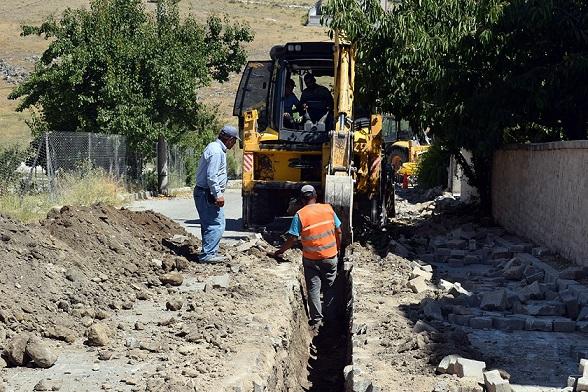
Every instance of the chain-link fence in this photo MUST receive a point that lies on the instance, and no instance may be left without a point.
(53, 154)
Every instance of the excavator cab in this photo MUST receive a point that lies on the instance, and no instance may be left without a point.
(297, 127)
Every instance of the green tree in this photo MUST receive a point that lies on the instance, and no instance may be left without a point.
(115, 68)
(479, 73)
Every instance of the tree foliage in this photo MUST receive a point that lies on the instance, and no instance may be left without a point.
(115, 68)
(479, 73)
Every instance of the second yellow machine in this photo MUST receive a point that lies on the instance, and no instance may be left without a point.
(300, 125)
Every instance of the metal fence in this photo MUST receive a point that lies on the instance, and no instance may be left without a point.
(54, 153)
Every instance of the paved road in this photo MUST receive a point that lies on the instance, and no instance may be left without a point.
(183, 211)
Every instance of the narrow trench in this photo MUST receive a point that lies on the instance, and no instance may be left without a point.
(329, 352)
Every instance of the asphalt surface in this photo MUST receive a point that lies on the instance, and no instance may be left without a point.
(183, 211)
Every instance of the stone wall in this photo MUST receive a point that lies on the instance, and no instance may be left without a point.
(540, 191)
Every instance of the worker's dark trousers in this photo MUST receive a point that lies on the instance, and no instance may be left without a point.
(320, 274)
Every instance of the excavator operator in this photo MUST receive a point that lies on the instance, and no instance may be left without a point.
(316, 100)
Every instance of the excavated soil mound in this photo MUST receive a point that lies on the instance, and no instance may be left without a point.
(79, 262)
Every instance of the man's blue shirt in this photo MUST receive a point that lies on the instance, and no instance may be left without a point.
(212, 168)
(296, 226)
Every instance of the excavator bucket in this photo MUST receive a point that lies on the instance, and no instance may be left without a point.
(339, 194)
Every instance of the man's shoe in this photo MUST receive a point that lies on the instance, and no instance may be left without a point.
(213, 259)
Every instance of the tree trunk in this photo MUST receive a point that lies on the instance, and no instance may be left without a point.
(162, 179)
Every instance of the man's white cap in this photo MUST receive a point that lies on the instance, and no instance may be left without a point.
(308, 189)
(231, 131)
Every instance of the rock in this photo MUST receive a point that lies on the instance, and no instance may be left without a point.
(495, 383)
(104, 355)
(582, 384)
(3, 364)
(445, 285)
(59, 332)
(42, 385)
(219, 281)
(457, 290)
(182, 264)
(421, 326)
(174, 304)
(538, 324)
(583, 367)
(433, 311)
(98, 335)
(152, 347)
(469, 368)
(494, 300)
(172, 278)
(481, 322)
(447, 364)
(168, 264)
(513, 272)
(15, 350)
(417, 285)
(532, 291)
(417, 271)
(40, 353)
(139, 326)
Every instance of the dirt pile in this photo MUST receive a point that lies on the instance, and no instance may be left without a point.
(78, 263)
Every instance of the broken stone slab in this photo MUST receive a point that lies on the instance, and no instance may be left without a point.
(460, 319)
(495, 383)
(508, 323)
(582, 384)
(246, 246)
(562, 324)
(220, 281)
(418, 285)
(531, 291)
(417, 271)
(457, 244)
(583, 367)
(433, 311)
(457, 290)
(481, 322)
(539, 324)
(458, 254)
(582, 326)
(447, 364)
(445, 285)
(469, 368)
(551, 275)
(545, 309)
(501, 253)
(573, 273)
(494, 300)
(421, 326)
(472, 259)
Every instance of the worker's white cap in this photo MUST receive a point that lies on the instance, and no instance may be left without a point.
(308, 189)
(231, 131)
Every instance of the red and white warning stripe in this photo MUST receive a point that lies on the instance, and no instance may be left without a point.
(248, 161)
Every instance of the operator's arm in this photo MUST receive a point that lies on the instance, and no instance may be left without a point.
(293, 234)
(213, 176)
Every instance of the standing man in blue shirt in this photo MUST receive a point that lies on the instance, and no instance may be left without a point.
(211, 180)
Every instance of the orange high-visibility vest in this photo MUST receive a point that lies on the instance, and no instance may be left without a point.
(318, 231)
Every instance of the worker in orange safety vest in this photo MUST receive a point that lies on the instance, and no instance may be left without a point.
(319, 230)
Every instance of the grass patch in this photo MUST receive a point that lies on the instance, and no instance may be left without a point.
(82, 188)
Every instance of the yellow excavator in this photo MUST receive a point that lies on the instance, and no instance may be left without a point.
(403, 147)
(328, 142)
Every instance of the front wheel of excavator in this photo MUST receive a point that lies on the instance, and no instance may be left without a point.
(339, 194)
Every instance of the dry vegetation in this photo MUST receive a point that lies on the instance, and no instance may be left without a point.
(274, 22)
